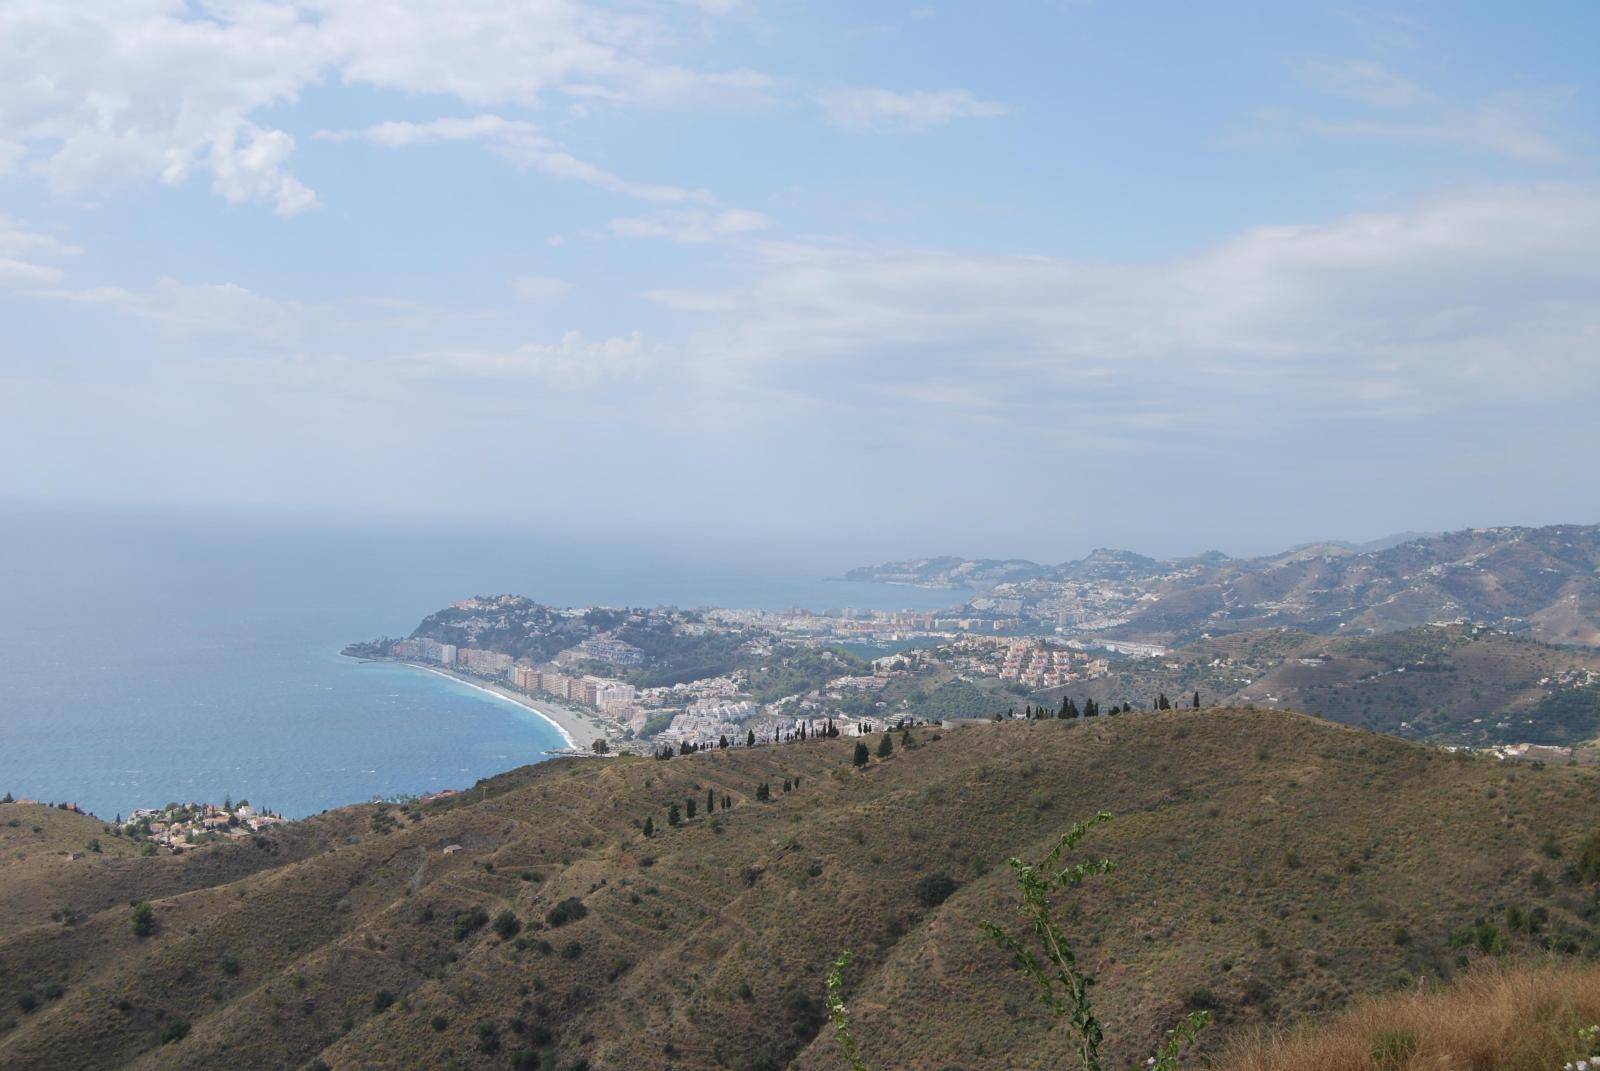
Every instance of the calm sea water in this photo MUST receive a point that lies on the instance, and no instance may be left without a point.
(144, 660)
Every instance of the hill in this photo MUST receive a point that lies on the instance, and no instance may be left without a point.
(1272, 867)
(1447, 683)
(1543, 581)
(1524, 1019)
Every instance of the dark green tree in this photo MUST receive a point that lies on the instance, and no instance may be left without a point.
(711, 800)
(689, 806)
(885, 746)
(750, 739)
(143, 919)
(763, 793)
(649, 826)
(673, 817)
(862, 756)
(1197, 700)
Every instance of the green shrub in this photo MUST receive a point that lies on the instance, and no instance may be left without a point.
(1588, 861)
(507, 925)
(381, 1000)
(176, 1030)
(469, 922)
(143, 919)
(488, 1038)
(1392, 1048)
(569, 910)
(935, 889)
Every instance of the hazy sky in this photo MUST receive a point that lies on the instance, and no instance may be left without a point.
(1018, 277)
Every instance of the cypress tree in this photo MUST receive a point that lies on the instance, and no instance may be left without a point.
(885, 746)
(862, 756)
(649, 826)
(763, 793)
(711, 800)
(1066, 705)
(750, 739)
(1197, 700)
(673, 818)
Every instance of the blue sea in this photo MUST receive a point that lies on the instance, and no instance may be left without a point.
(147, 659)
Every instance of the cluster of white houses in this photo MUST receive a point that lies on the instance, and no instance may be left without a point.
(615, 699)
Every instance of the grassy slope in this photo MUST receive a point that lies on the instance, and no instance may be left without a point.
(1478, 689)
(1523, 1019)
(1267, 858)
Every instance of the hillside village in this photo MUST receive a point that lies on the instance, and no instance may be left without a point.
(659, 677)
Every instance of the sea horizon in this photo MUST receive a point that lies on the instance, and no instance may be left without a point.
(148, 659)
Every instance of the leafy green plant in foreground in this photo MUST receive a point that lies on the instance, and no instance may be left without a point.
(1063, 985)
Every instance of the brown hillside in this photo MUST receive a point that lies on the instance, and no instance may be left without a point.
(1270, 866)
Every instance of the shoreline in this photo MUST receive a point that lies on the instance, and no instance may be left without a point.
(578, 731)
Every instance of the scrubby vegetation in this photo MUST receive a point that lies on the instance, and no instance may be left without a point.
(1272, 868)
(1526, 1018)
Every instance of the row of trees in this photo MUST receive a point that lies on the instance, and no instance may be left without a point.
(1091, 708)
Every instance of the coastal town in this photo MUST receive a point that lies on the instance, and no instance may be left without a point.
(617, 680)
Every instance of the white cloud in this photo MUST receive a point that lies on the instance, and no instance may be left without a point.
(692, 225)
(573, 363)
(540, 288)
(96, 94)
(1508, 124)
(1475, 296)
(210, 310)
(871, 109)
(523, 145)
(21, 251)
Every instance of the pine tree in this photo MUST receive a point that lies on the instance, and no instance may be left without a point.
(885, 746)
(862, 756)
(1066, 705)
(689, 806)
(649, 826)
(763, 793)
(673, 818)
(786, 785)
(722, 742)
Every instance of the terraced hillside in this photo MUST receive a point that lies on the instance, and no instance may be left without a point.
(1447, 683)
(1271, 867)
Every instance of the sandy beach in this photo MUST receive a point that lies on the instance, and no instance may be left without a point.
(579, 730)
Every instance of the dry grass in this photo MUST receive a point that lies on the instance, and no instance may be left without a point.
(1516, 1019)
(1267, 866)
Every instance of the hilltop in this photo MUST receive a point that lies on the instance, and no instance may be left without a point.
(1272, 867)
(1447, 683)
(1543, 581)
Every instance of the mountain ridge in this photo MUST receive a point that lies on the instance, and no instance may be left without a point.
(1544, 580)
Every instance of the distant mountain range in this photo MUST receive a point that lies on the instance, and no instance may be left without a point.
(1543, 581)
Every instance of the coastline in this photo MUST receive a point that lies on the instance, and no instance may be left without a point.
(578, 731)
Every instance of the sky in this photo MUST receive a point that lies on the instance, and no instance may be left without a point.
(1014, 278)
